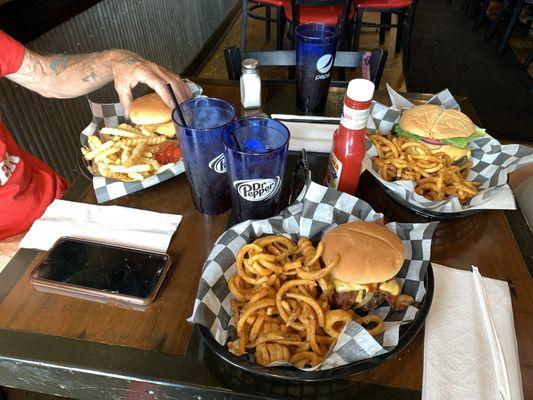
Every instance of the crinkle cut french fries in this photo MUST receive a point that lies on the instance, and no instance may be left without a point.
(125, 153)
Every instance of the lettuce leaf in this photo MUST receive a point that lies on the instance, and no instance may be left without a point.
(463, 141)
(406, 134)
(458, 141)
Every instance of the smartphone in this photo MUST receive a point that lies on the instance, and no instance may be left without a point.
(101, 272)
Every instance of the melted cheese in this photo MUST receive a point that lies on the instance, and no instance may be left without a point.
(391, 286)
(341, 286)
(454, 152)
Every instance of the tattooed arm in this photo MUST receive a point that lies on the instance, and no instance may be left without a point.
(66, 76)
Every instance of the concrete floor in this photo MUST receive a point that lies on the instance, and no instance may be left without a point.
(255, 40)
(393, 74)
(519, 43)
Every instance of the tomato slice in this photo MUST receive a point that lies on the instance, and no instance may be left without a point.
(168, 152)
(436, 142)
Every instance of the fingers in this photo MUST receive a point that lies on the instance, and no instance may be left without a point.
(181, 90)
(149, 77)
(127, 76)
(125, 96)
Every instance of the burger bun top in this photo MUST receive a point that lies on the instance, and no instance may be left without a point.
(149, 110)
(368, 252)
(436, 122)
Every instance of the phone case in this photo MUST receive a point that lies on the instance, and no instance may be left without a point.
(101, 296)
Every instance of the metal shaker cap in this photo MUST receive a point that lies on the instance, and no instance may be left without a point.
(249, 65)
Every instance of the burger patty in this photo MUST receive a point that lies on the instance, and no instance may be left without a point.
(375, 301)
(348, 300)
(344, 300)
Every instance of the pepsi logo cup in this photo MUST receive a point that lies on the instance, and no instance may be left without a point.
(316, 45)
(203, 154)
(324, 64)
(255, 160)
(218, 164)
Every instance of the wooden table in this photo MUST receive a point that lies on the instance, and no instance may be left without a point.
(86, 350)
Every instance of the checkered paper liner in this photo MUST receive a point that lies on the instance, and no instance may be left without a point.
(111, 115)
(492, 161)
(316, 211)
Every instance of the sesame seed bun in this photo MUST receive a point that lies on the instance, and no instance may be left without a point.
(369, 252)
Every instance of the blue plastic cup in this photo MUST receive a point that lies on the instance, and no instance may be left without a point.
(256, 166)
(203, 154)
(316, 46)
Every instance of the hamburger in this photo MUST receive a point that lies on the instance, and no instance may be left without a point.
(370, 257)
(150, 112)
(441, 130)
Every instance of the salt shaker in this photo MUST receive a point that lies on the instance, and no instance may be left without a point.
(250, 84)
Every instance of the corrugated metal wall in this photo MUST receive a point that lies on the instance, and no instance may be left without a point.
(169, 32)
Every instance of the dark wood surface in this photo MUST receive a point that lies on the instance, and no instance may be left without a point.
(484, 240)
(163, 326)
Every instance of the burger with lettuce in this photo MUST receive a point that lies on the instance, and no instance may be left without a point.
(441, 130)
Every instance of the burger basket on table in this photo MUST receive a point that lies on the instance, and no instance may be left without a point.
(491, 160)
(317, 210)
(111, 115)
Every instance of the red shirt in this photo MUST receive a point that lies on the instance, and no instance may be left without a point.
(27, 185)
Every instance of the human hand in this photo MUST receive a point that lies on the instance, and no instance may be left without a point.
(130, 69)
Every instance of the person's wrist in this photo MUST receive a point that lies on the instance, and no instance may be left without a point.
(120, 56)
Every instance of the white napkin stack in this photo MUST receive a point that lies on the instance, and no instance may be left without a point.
(469, 354)
(124, 226)
(316, 137)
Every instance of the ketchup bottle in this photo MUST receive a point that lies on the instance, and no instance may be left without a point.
(348, 150)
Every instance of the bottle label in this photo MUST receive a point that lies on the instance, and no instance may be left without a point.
(333, 172)
(354, 119)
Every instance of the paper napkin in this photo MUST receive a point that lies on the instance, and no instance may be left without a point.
(461, 357)
(124, 226)
(311, 137)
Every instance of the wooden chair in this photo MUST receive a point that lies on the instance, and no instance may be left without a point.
(372, 62)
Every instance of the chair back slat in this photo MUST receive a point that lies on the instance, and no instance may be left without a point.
(287, 58)
(232, 57)
(282, 58)
(371, 62)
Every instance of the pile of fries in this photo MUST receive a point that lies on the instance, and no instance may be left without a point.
(126, 153)
(436, 177)
(281, 305)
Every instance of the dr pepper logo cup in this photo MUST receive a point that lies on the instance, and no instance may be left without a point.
(206, 119)
(316, 45)
(256, 154)
(258, 189)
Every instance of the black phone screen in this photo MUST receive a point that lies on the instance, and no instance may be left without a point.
(102, 267)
